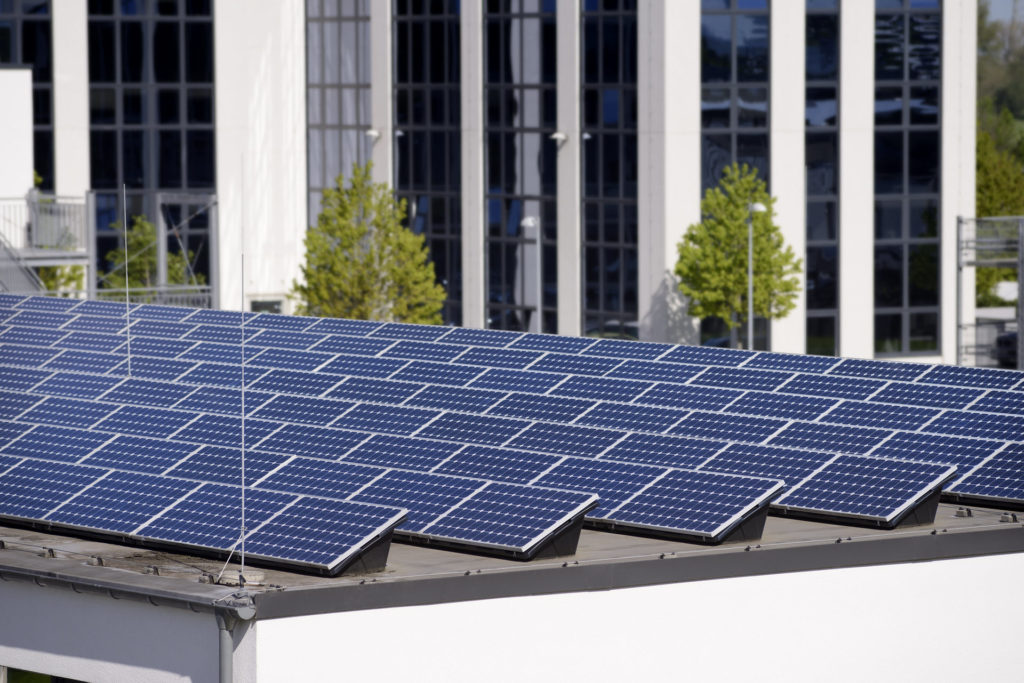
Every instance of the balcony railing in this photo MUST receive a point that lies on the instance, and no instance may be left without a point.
(40, 221)
(171, 295)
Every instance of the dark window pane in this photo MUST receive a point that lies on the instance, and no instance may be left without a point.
(924, 331)
(924, 218)
(716, 154)
(752, 4)
(103, 158)
(924, 274)
(889, 47)
(924, 105)
(888, 106)
(132, 7)
(133, 146)
(822, 154)
(821, 221)
(753, 108)
(611, 168)
(888, 220)
(925, 46)
(888, 276)
(822, 47)
(165, 52)
(197, 8)
(6, 42)
(35, 49)
(888, 163)
(131, 52)
(200, 158)
(888, 333)
(827, 5)
(714, 4)
(820, 107)
(591, 51)
(821, 336)
(133, 111)
(170, 159)
(167, 106)
(610, 107)
(714, 108)
(548, 46)
(821, 277)
(752, 150)
(43, 157)
(167, 7)
(199, 55)
(41, 114)
(102, 106)
(716, 48)
(101, 6)
(751, 48)
(924, 162)
(200, 106)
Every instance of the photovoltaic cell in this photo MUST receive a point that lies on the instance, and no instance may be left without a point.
(57, 443)
(275, 321)
(153, 368)
(924, 395)
(218, 317)
(96, 323)
(160, 348)
(140, 454)
(217, 353)
(280, 339)
(10, 431)
(359, 346)
(741, 378)
(879, 369)
(148, 393)
(321, 477)
(40, 319)
(791, 362)
(574, 365)
(158, 328)
(517, 380)
(660, 372)
(534, 407)
(958, 375)
(613, 482)
(160, 312)
(834, 438)
(74, 385)
(952, 450)
(479, 429)
(620, 348)
(426, 496)
(223, 430)
(631, 417)
(223, 375)
(474, 337)
(455, 398)
(789, 465)
(25, 356)
(566, 439)
(1001, 477)
(707, 355)
(302, 409)
(374, 390)
(408, 331)
(359, 328)
(497, 358)
(405, 452)
(832, 387)
(65, 412)
(385, 419)
(293, 382)
(499, 464)
(437, 373)
(220, 334)
(363, 367)
(113, 309)
(140, 421)
(223, 401)
(224, 465)
(1009, 402)
(414, 350)
(89, 341)
(550, 342)
(46, 303)
(862, 413)
(34, 487)
(121, 501)
(668, 451)
(979, 425)
(785, 406)
(290, 359)
(11, 299)
(314, 442)
(687, 397)
(30, 336)
(600, 387)
(727, 427)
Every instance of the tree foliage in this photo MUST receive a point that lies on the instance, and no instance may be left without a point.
(999, 192)
(362, 263)
(142, 261)
(712, 265)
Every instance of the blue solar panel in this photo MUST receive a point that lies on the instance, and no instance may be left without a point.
(276, 321)
(498, 358)
(574, 365)
(84, 361)
(57, 443)
(34, 487)
(25, 356)
(301, 409)
(550, 342)
(473, 337)
(707, 355)
(114, 309)
(517, 380)
(65, 412)
(216, 353)
(160, 348)
(148, 393)
(140, 454)
(979, 425)
(385, 419)
(631, 417)
(96, 323)
(73, 385)
(160, 312)
(153, 368)
(90, 341)
(426, 496)
(224, 430)
(359, 346)
(455, 398)
(406, 452)
(223, 401)
(224, 375)
(834, 438)
(953, 450)
(613, 482)
(534, 407)
(40, 319)
(220, 334)
(121, 502)
(608, 389)
(727, 427)
(741, 378)
(217, 317)
(408, 331)
(924, 395)
(879, 369)
(30, 337)
(880, 415)
(363, 367)
(792, 362)
(669, 451)
(832, 387)
(159, 328)
(321, 477)
(374, 390)
(291, 359)
(424, 351)
(280, 339)
(11, 299)
(224, 465)
(155, 422)
(11, 430)
(621, 348)
(687, 397)
(865, 487)
(958, 375)
(1010, 402)
(567, 439)
(293, 382)
(786, 464)
(7, 462)
(660, 372)
(1001, 477)
(480, 429)
(785, 406)
(359, 328)
(437, 373)
(47, 303)
(705, 504)
(314, 442)
(499, 464)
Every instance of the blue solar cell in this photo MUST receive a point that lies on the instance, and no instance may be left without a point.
(834, 438)
(408, 331)
(13, 404)
(786, 406)
(158, 328)
(566, 439)
(223, 401)
(153, 368)
(21, 378)
(155, 422)
(97, 323)
(574, 365)
(534, 407)
(509, 515)
(437, 373)
(74, 385)
(67, 412)
(30, 336)
(959, 375)
(687, 397)
(865, 487)
(280, 339)
(84, 361)
(159, 312)
(952, 450)
(601, 388)
(426, 496)
(789, 465)
(517, 380)
(25, 356)
(10, 431)
(34, 487)
(670, 451)
(113, 309)
(11, 299)
(862, 413)
(316, 477)
(479, 429)
(979, 425)
(499, 464)
(121, 502)
(224, 375)
(357, 366)
(356, 328)
(218, 317)
(707, 355)
(291, 359)
(148, 393)
(224, 465)
(632, 417)
(406, 452)
(424, 351)
(225, 430)
(924, 395)
(276, 321)
(42, 319)
(792, 362)
(1001, 477)
(47, 303)
(358, 346)
(218, 353)
(160, 348)
(90, 341)
(695, 503)
(741, 378)
(474, 337)
(385, 419)
(832, 387)
(57, 443)
(613, 482)
(7, 462)
(660, 372)
(140, 454)
(1010, 402)
(310, 441)
(550, 342)
(456, 398)
(739, 428)
(221, 334)
(374, 390)
(304, 410)
(622, 348)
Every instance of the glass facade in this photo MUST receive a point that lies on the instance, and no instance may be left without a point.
(520, 164)
(25, 41)
(151, 115)
(822, 174)
(337, 92)
(427, 129)
(609, 125)
(908, 57)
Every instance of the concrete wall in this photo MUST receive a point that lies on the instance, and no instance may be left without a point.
(570, 251)
(16, 133)
(949, 620)
(71, 98)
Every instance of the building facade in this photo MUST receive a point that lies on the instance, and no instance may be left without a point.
(551, 153)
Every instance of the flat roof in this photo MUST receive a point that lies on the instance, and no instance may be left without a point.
(417, 575)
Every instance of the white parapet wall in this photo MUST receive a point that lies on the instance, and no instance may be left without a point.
(16, 132)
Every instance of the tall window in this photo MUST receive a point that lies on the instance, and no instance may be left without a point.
(427, 129)
(338, 92)
(822, 157)
(609, 168)
(25, 41)
(908, 57)
(521, 169)
(151, 114)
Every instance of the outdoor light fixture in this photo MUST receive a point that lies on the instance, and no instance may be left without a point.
(559, 137)
(752, 208)
(373, 134)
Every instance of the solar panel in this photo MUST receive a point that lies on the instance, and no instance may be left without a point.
(160, 312)
(73, 385)
(220, 334)
(879, 369)
(727, 427)
(291, 382)
(923, 395)
(785, 406)
(574, 365)
(668, 451)
(66, 412)
(212, 317)
(979, 425)
(550, 342)
(11, 299)
(56, 443)
(879, 415)
(479, 429)
(13, 404)
(121, 501)
(408, 331)
(385, 419)
(497, 358)
(534, 407)
(10, 431)
(140, 421)
(631, 417)
(492, 338)
(437, 373)
(140, 454)
(426, 496)
(958, 375)
(327, 478)
(89, 341)
(414, 350)
(214, 352)
(660, 372)
(32, 488)
(359, 328)
(600, 387)
(455, 398)
(832, 387)
(566, 439)
(83, 361)
(788, 465)
(374, 390)
(223, 401)
(310, 441)
(707, 355)
(24, 356)
(613, 482)
(30, 337)
(687, 397)
(47, 303)
(114, 309)
(153, 368)
(96, 323)
(148, 393)
(952, 450)
(1010, 402)
(220, 430)
(620, 348)
(1001, 477)
(517, 380)
(363, 367)
(301, 409)
(276, 321)
(499, 464)
(291, 359)
(161, 348)
(281, 339)
(359, 346)
(405, 452)
(834, 438)
(741, 378)
(40, 319)
(791, 361)
(159, 328)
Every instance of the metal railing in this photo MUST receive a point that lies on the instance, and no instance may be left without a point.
(170, 295)
(39, 221)
(15, 276)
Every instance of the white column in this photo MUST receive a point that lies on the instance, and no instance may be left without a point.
(959, 95)
(70, 41)
(381, 89)
(474, 283)
(669, 161)
(16, 140)
(856, 179)
(570, 256)
(786, 117)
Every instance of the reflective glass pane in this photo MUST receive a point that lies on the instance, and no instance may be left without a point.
(200, 158)
(167, 106)
(169, 161)
(924, 218)
(924, 331)
(133, 145)
(888, 276)
(133, 111)
(924, 105)
(165, 52)
(751, 48)
(714, 108)
(889, 36)
(131, 52)
(822, 47)
(822, 155)
(102, 106)
(888, 333)
(925, 47)
(101, 52)
(200, 106)
(199, 56)
(822, 271)
(924, 274)
(103, 158)
(716, 154)
(821, 221)
(35, 49)
(888, 163)
(821, 336)
(924, 161)
(716, 48)
(753, 108)
(888, 220)
(820, 107)
(888, 106)
(752, 150)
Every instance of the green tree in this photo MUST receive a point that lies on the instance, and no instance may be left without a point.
(362, 263)
(999, 191)
(712, 265)
(142, 261)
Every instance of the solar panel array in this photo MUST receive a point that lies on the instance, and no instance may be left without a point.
(685, 440)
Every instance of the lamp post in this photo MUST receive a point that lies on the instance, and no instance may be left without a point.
(752, 208)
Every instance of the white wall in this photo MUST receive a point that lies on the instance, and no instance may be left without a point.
(71, 98)
(16, 133)
(261, 146)
(570, 256)
(935, 621)
(474, 283)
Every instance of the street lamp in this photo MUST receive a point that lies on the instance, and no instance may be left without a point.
(752, 208)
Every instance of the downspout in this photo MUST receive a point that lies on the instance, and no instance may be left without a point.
(227, 619)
